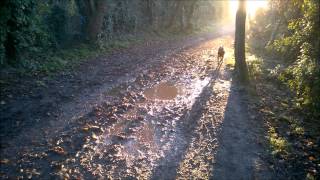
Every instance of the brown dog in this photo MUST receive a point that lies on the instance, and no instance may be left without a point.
(221, 53)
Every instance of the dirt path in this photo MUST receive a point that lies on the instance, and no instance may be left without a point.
(165, 110)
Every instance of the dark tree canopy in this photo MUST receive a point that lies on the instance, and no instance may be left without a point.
(29, 27)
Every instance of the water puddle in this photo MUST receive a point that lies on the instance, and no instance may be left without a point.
(149, 140)
(162, 91)
(141, 145)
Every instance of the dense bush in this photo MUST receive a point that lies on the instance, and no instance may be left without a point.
(31, 28)
(17, 30)
(296, 44)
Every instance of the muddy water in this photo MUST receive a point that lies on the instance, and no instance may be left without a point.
(162, 91)
(144, 144)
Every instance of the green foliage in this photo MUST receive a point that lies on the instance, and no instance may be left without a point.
(57, 23)
(297, 44)
(61, 59)
(279, 145)
(24, 31)
(33, 32)
(303, 75)
(254, 67)
(17, 31)
(32, 27)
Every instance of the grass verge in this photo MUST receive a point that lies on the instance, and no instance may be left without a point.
(54, 61)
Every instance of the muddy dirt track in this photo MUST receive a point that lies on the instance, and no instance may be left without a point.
(159, 110)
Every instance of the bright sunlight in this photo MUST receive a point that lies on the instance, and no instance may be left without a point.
(252, 6)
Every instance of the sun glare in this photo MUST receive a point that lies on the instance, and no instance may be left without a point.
(252, 6)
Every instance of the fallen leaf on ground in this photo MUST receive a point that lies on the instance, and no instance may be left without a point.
(4, 161)
(59, 150)
(94, 136)
(311, 158)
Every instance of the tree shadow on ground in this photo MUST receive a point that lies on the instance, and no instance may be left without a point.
(169, 164)
(236, 154)
(240, 153)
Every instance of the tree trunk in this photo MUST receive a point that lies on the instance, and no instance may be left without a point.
(241, 65)
(173, 18)
(274, 32)
(149, 11)
(181, 18)
(190, 15)
(95, 10)
(276, 21)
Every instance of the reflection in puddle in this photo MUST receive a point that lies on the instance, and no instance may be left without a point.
(163, 91)
(141, 143)
(143, 138)
(142, 146)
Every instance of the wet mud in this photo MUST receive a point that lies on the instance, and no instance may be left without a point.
(171, 117)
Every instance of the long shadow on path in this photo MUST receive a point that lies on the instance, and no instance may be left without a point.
(168, 167)
(236, 151)
(239, 154)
